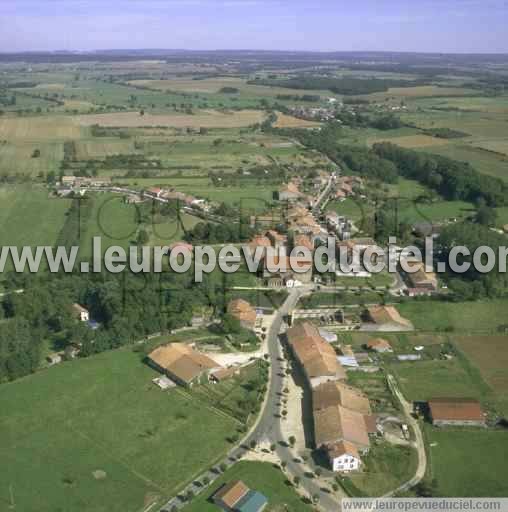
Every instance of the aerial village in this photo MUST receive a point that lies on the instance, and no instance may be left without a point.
(322, 410)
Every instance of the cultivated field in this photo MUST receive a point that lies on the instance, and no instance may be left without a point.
(16, 157)
(285, 121)
(101, 147)
(214, 85)
(203, 119)
(97, 435)
(490, 355)
(39, 128)
(420, 91)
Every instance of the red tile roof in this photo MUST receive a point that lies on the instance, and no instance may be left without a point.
(455, 409)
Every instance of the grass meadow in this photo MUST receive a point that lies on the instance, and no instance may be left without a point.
(452, 453)
(29, 216)
(97, 435)
(458, 317)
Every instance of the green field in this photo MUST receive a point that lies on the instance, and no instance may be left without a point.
(63, 425)
(486, 162)
(28, 216)
(259, 476)
(386, 467)
(423, 380)
(415, 211)
(117, 223)
(451, 462)
(16, 158)
(460, 317)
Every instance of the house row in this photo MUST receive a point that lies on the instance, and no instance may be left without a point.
(278, 269)
(342, 415)
(84, 181)
(340, 225)
(173, 195)
(346, 185)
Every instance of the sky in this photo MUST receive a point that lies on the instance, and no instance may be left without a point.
(455, 26)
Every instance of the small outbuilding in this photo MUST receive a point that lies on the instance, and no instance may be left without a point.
(379, 345)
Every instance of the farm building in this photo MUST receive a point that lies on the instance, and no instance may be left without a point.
(237, 497)
(80, 313)
(244, 312)
(379, 345)
(289, 192)
(181, 363)
(316, 357)
(456, 411)
(388, 318)
(419, 279)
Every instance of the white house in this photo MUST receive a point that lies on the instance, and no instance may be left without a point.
(344, 457)
(80, 313)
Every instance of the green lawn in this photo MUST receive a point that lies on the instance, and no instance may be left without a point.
(117, 223)
(386, 467)
(470, 463)
(422, 380)
(16, 157)
(259, 476)
(61, 425)
(464, 317)
(416, 211)
(352, 208)
(28, 216)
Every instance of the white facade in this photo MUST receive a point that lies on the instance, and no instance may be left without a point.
(345, 463)
(84, 316)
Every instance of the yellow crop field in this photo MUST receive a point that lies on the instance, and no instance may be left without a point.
(202, 119)
(421, 91)
(39, 128)
(285, 121)
(102, 148)
(214, 85)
